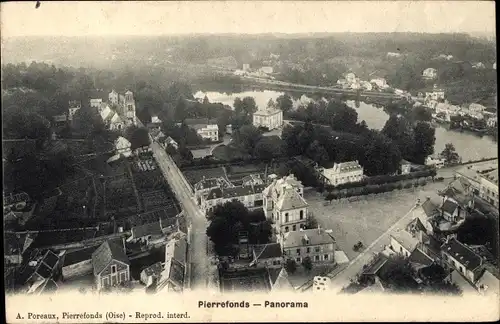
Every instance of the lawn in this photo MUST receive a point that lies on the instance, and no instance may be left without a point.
(367, 219)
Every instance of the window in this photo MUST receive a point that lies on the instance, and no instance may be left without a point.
(316, 258)
(400, 249)
(301, 214)
(294, 228)
(462, 269)
(298, 251)
(298, 260)
(316, 249)
(113, 269)
(308, 249)
(130, 108)
(286, 229)
(286, 218)
(326, 256)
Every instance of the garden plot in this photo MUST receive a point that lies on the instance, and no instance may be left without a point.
(156, 199)
(120, 197)
(196, 175)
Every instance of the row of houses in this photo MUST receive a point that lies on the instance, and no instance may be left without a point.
(427, 245)
(350, 81)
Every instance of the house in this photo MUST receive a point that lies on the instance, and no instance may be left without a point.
(366, 85)
(122, 146)
(285, 205)
(403, 243)
(478, 65)
(204, 186)
(315, 243)
(77, 263)
(321, 283)
(405, 167)
(436, 94)
(250, 196)
(429, 73)
(151, 274)
(393, 54)
(229, 129)
(170, 141)
(435, 162)
(488, 187)
(73, 107)
(246, 67)
(419, 259)
(146, 233)
(381, 83)
(111, 118)
(124, 105)
(155, 120)
(267, 255)
(207, 131)
(344, 172)
(111, 265)
(270, 118)
(492, 122)
(350, 77)
(252, 179)
(96, 103)
(459, 257)
(173, 275)
(451, 210)
(266, 69)
(476, 108)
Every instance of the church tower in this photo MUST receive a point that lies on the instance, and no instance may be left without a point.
(129, 106)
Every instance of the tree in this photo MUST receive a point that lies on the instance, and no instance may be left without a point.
(139, 138)
(21, 125)
(246, 107)
(424, 142)
(399, 274)
(307, 263)
(285, 103)
(311, 222)
(87, 122)
(265, 150)
(247, 137)
(290, 266)
(271, 104)
(400, 131)
(317, 153)
(449, 154)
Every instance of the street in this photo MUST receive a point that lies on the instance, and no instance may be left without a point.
(197, 250)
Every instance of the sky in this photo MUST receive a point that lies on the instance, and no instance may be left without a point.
(91, 18)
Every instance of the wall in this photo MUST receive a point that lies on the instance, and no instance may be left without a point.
(316, 256)
(398, 248)
(76, 270)
(293, 219)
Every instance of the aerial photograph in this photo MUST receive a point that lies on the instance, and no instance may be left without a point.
(297, 147)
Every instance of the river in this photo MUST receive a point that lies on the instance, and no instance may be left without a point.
(469, 146)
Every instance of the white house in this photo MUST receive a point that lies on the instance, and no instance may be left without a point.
(74, 106)
(344, 172)
(207, 131)
(122, 146)
(381, 83)
(461, 258)
(266, 69)
(492, 121)
(488, 187)
(316, 243)
(111, 118)
(350, 77)
(270, 118)
(476, 108)
(478, 65)
(403, 243)
(436, 162)
(246, 67)
(95, 103)
(284, 204)
(435, 94)
(366, 85)
(267, 255)
(429, 73)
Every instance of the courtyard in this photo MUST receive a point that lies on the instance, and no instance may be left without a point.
(366, 219)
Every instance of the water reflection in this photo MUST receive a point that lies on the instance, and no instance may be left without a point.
(468, 145)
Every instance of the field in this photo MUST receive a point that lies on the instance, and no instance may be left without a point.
(367, 219)
(245, 281)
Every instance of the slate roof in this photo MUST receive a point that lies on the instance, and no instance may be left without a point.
(291, 199)
(374, 267)
(44, 267)
(314, 236)
(207, 183)
(78, 256)
(154, 270)
(462, 253)
(268, 251)
(105, 253)
(279, 280)
(430, 209)
(146, 229)
(420, 257)
(348, 166)
(233, 192)
(449, 206)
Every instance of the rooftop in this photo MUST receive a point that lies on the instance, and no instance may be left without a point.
(105, 253)
(267, 251)
(462, 254)
(316, 236)
(405, 239)
(267, 112)
(345, 167)
(419, 257)
(74, 257)
(291, 199)
(154, 270)
(449, 206)
(233, 192)
(146, 229)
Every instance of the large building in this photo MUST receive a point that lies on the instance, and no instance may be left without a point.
(270, 118)
(118, 112)
(285, 205)
(429, 73)
(488, 187)
(344, 172)
(250, 196)
(317, 244)
(206, 128)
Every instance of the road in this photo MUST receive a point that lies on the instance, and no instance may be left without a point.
(355, 266)
(197, 250)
